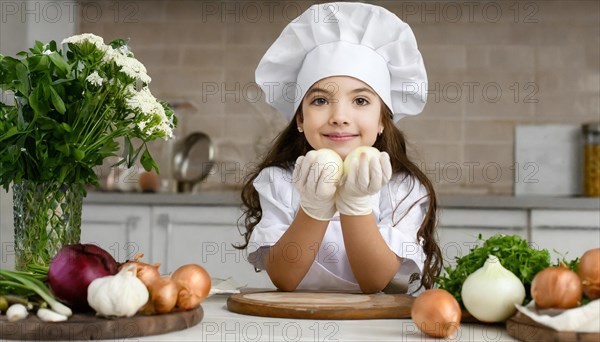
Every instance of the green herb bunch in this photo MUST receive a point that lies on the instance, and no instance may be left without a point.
(514, 253)
(72, 106)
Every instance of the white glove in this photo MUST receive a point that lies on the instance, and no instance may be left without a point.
(316, 177)
(364, 177)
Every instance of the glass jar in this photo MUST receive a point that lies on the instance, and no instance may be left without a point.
(47, 216)
(591, 163)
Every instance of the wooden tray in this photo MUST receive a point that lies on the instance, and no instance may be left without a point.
(90, 327)
(321, 305)
(525, 329)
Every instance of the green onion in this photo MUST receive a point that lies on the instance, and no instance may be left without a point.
(30, 281)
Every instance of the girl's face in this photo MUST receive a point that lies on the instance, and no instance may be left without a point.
(340, 113)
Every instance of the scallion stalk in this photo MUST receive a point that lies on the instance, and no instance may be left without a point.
(29, 281)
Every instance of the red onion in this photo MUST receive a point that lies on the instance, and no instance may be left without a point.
(73, 268)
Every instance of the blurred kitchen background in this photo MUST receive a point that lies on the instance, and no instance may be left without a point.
(492, 66)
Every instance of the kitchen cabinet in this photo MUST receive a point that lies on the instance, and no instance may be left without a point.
(565, 233)
(203, 235)
(122, 230)
(458, 229)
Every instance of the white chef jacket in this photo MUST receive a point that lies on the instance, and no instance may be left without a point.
(331, 270)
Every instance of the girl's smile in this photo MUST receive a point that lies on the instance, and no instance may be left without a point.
(340, 136)
(340, 113)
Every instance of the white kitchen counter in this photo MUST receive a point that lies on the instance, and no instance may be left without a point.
(219, 324)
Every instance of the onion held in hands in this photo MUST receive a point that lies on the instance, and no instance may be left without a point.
(193, 283)
(332, 164)
(436, 313)
(589, 273)
(371, 152)
(557, 288)
(72, 270)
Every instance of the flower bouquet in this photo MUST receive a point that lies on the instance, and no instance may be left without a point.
(71, 108)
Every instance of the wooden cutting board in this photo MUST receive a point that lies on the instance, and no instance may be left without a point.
(525, 329)
(321, 305)
(90, 327)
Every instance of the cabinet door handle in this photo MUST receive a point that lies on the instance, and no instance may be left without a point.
(165, 221)
(130, 225)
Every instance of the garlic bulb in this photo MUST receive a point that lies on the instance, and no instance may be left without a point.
(121, 295)
(491, 292)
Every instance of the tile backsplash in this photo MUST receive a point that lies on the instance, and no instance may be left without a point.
(491, 65)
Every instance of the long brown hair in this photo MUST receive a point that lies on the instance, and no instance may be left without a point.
(290, 144)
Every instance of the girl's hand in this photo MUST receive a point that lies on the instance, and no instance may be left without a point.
(364, 178)
(316, 177)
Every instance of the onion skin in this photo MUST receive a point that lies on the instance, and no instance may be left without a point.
(72, 270)
(163, 296)
(557, 288)
(145, 272)
(436, 313)
(194, 285)
(589, 273)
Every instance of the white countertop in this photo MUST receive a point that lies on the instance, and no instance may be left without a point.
(219, 324)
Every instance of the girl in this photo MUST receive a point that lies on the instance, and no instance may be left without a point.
(342, 73)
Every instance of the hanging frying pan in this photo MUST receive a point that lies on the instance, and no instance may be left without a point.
(192, 161)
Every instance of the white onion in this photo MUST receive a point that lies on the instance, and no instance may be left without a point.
(332, 163)
(371, 152)
(491, 292)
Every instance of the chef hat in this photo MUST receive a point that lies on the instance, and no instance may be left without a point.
(363, 41)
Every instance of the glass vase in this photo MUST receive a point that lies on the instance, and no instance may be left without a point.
(47, 216)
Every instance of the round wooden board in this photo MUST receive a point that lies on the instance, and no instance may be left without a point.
(90, 327)
(525, 329)
(321, 305)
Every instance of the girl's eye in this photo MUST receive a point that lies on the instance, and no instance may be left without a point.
(319, 101)
(361, 101)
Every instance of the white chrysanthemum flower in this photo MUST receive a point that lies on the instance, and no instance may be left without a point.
(92, 38)
(129, 65)
(95, 79)
(153, 118)
(124, 50)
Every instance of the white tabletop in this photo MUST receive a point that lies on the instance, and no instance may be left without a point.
(219, 324)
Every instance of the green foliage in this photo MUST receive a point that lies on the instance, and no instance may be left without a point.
(514, 253)
(70, 109)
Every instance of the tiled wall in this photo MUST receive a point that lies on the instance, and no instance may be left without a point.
(541, 55)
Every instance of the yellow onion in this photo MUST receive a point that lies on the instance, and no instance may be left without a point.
(436, 313)
(193, 283)
(589, 273)
(163, 296)
(556, 287)
(145, 272)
